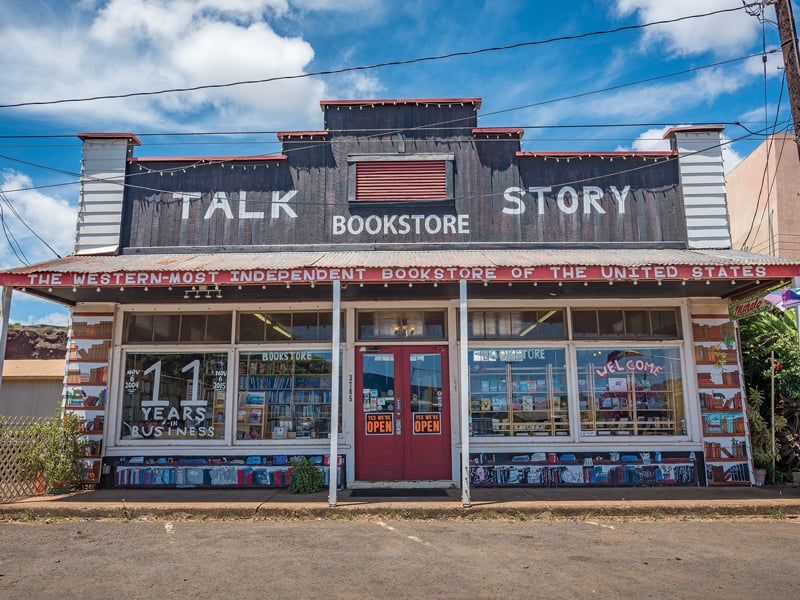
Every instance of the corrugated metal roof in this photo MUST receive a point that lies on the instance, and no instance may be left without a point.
(34, 369)
(224, 261)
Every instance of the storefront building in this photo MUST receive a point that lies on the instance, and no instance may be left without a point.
(414, 295)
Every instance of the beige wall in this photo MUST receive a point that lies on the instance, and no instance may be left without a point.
(779, 195)
(30, 398)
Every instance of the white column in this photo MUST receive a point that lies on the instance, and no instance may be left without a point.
(464, 392)
(5, 307)
(335, 385)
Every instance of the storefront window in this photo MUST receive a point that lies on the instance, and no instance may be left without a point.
(145, 328)
(284, 395)
(395, 325)
(630, 391)
(660, 323)
(284, 327)
(174, 396)
(516, 324)
(518, 392)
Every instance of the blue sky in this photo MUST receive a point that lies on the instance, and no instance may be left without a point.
(54, 50)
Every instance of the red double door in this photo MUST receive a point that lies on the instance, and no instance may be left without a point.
(402, 414)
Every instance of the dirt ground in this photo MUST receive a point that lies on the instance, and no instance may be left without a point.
(372, 558)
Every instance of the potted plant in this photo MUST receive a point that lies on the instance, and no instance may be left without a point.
(52, 454)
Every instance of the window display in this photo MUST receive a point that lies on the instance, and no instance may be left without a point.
(174, 396)
(518, 391)
(630, 391)
(284, 395)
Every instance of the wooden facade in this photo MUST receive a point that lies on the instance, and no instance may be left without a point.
(296, 201)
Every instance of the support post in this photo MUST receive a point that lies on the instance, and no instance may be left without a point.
(464, 392)
(5, 308)
(336, 336)
(788, 33)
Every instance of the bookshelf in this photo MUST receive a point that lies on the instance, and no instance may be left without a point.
(722, 409)
(284, 396)
(513, 399)
(86, 381)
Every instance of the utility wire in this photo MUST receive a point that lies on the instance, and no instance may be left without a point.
(12, 241)
(383, 64)
(8, 203)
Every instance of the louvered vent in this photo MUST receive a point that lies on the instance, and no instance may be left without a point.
(401, 180)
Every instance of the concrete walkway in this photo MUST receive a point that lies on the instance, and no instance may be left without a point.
(653, 502)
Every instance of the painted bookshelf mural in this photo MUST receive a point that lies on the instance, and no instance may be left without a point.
(270, 471)
(562, 469)
(722, 406)
(85, 385)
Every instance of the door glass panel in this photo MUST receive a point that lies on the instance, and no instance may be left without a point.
(378, 383)
(425, 377)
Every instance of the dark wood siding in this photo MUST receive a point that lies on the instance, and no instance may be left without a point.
(302, 202)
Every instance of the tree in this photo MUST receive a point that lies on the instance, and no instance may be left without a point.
(762, 335)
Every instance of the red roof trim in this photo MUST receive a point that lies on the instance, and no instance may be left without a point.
(498, 131)
(300, 134)
(41, 277)
(673, 130)
(665, 153)
(476, 101)
(205, 158)
(110, 136)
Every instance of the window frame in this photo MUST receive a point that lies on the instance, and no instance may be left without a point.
(352, 178)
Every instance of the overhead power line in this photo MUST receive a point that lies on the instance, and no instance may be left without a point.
(393, 63)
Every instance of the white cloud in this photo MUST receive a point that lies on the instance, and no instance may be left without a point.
(59, 319)
(652, 140)
(52, 218)
(722, 34)
(146, 45)
(651, 101)
(30, 310)
(353, 86)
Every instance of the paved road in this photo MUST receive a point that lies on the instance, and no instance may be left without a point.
(371, 558)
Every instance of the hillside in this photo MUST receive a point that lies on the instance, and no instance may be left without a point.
(36, 341)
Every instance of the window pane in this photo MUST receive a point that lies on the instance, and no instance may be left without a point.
(518, 392)
(625, 391)
(637, 323)
(665, 323)
(251, 328)
(218, 327)
(476, 329)
(193, 328)
(166, 327)
(304, 326)
(434, 325)
(174, 396)
(584, 323)
(611, 322)
(540, 324)
(325, 327)
(138, 328)
(278, 327)
(284, 395)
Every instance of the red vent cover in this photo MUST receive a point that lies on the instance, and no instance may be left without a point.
(401, 180)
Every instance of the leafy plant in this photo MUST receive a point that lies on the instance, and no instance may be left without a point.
(51, 451)
(306, 477)
(789, 433)
(760, 434)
